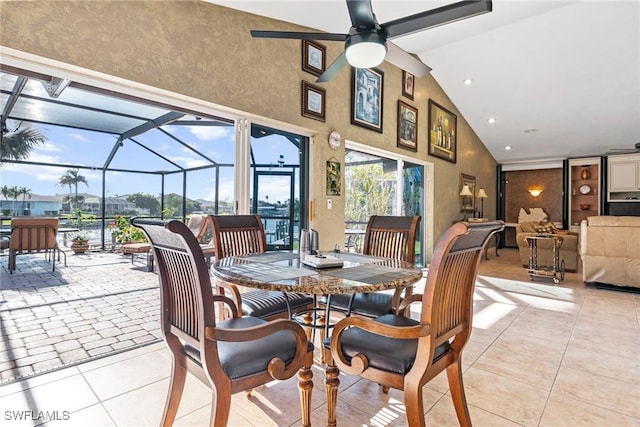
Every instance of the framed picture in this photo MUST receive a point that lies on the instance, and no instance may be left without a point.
(313, 101)
(313, 57)
(366, 98)
(443, 132)
(333, 177)
(407, 126)
(407, 84)
(468, 205)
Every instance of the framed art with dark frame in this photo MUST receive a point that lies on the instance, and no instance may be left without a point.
(313, 101)
(408, 80)
(407, 126)
(366, 98)
(313, 57)
(334, 183)
(468, 203)
(443, 132)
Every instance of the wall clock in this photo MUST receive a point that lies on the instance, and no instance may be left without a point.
(585, 189)
(335, 140)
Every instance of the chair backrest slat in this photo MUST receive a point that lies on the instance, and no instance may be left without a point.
(183, 276)
(235, 235)
(391, 237)
(447, 303)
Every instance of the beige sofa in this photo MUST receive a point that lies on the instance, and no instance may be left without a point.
(568, 250)
(610, 250)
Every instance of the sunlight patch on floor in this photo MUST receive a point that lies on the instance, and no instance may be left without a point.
(486, 317)
(387, 416)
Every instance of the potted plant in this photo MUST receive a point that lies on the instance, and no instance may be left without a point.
(79, 243)
(123, 233)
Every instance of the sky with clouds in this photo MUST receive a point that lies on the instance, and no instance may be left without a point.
(67, 146)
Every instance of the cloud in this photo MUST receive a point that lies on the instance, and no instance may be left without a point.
(78, 137)
(210, 133)
(47, 147)
(188, 162)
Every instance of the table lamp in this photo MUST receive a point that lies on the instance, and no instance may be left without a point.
(465, 192)
(482, 195)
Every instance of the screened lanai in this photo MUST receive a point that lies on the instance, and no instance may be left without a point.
(131, 150)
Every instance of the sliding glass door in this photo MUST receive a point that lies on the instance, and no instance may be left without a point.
(379, 184)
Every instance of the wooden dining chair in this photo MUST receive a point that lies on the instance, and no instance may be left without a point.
(387, 237)
(229, 356)
(237, 235)
(402, 353)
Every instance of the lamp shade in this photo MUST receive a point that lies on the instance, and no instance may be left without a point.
(482, 194)
(466, 191)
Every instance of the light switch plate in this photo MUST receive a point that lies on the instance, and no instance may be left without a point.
(329, 203)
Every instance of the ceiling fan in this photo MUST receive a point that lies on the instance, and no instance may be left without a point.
(636, 149)
(367, 42)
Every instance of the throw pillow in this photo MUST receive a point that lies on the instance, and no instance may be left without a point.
(545, 229)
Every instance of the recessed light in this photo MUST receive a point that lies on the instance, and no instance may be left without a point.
(491, 120)
(508, 147)
(468, 81)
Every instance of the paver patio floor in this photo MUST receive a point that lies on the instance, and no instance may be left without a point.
(99, 304)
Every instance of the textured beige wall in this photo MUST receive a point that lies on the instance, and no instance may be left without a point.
(205, 51)
(517, 195)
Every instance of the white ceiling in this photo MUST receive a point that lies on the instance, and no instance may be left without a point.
(562, 79)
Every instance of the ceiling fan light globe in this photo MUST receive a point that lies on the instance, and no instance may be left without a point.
(365, 50)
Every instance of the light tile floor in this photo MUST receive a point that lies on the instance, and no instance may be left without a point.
(539, 355)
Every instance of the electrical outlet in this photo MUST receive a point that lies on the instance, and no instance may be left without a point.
(329, 203)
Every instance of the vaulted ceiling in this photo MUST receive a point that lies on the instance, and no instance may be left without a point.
(561, 79)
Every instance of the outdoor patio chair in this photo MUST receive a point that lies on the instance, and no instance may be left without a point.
(34, 235)
(200, 226)
(237, 235)
(229, 356)
(402, 353)
(388, 237)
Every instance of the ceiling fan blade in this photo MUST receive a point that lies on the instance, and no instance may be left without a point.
(298, 35)
(402, 59)
(361, 13)
(436, 17)
(333, 69)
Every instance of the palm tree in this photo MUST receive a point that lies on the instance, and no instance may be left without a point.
(17, 145)
(24, 191)
(6, 192)
(73, 177)
(13, 193)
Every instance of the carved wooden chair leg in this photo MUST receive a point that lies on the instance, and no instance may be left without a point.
(331, 382)
(305, 384)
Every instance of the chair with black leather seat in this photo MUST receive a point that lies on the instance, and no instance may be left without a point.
(229, 356)
(237, 235)
(402, 353)
(388, 237)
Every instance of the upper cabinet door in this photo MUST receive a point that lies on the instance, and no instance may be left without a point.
(624, 175)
